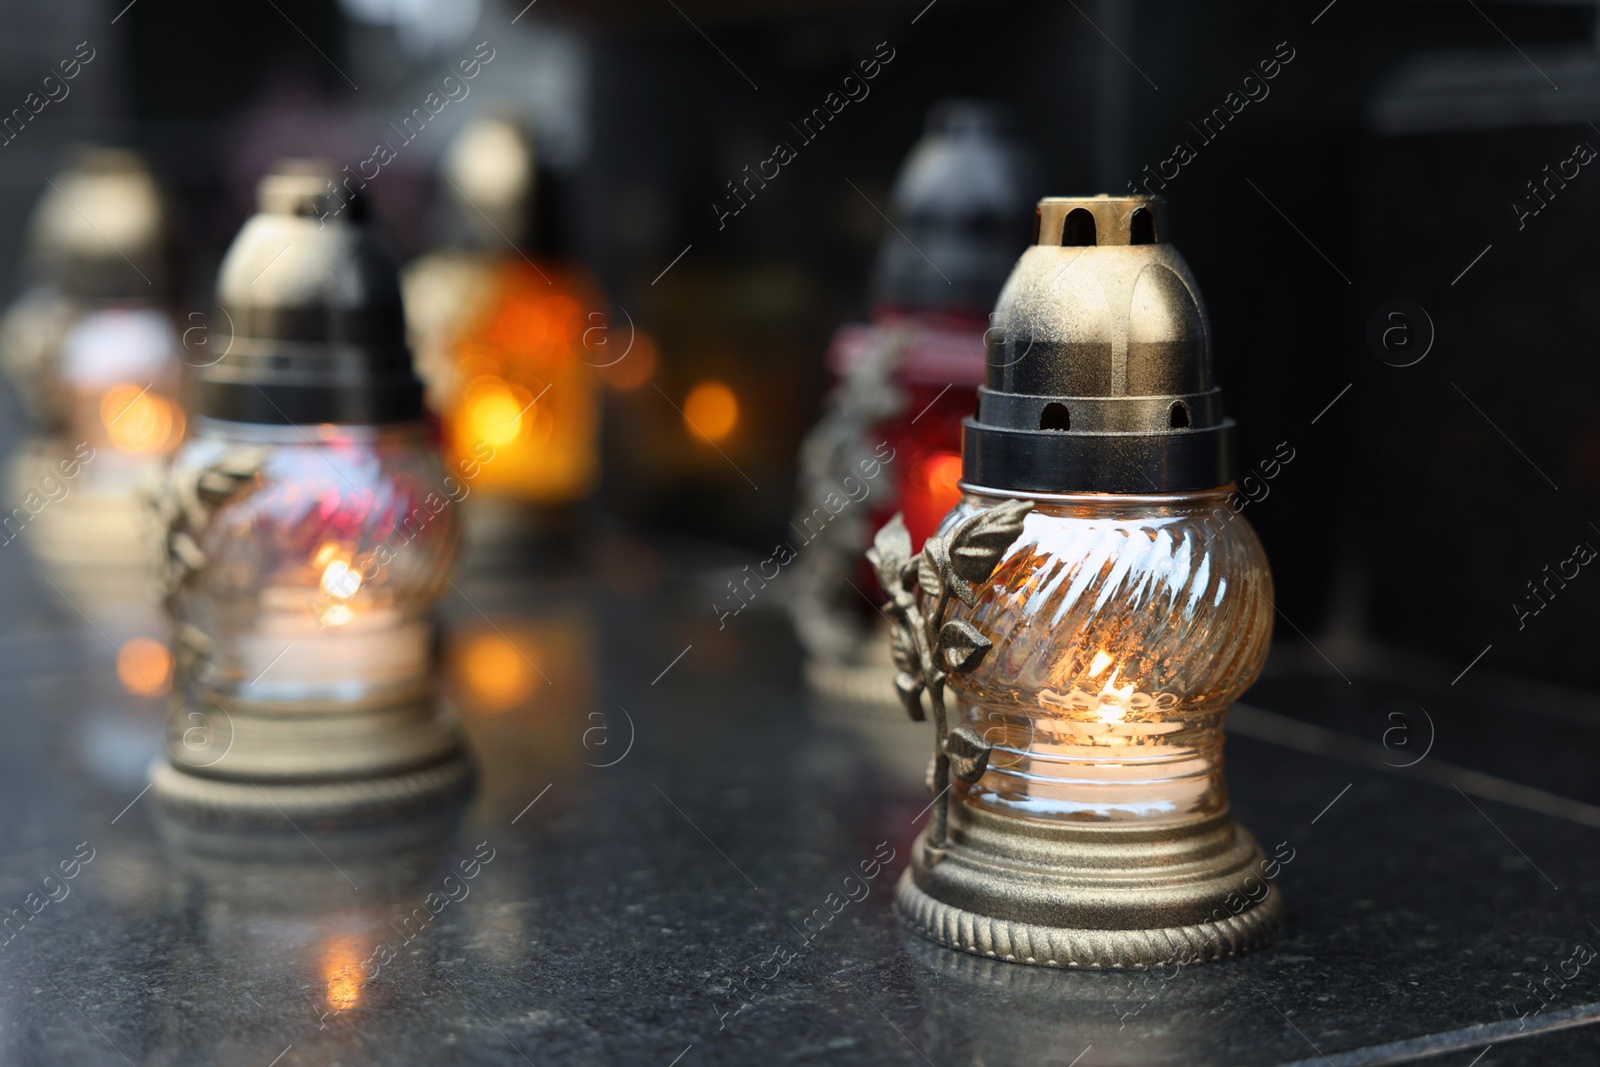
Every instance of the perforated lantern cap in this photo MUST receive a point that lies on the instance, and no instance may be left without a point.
(1099, 376)
(312, 302)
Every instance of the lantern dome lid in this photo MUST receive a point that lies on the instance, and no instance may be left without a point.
(492, 168)
(1099, 375)
(101, 230)
(311, 302)
(957, 205)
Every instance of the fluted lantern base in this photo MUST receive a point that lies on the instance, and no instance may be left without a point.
(250, 763)
(220, 800)
(864, 680)
(860, 685)
(1092, 896)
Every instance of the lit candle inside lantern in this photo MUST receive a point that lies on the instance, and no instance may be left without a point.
(1129, 628)
(511, 349)
(310, 531)
(1095, 605)
(93, 352)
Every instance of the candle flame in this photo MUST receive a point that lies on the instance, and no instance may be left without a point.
(339, 579)
(494, 413)
(1113, 702)
(1102, 660)
(940, 476)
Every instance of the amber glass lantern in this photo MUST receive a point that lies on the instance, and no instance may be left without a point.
(1094, 605)
(891, 431)
(510, 344)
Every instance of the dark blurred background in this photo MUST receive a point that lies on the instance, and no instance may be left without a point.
(1384, 164)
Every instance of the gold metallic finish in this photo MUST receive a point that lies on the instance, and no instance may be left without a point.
(214, 800)
(1091, 896)
(1108, 607)
(865, 685)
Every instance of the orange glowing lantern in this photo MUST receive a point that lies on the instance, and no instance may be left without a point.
(520, 404)
(507, 345)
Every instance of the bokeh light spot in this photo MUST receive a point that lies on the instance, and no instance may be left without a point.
(144, 667)
(495, 674)
(137, 421)
(711, 411)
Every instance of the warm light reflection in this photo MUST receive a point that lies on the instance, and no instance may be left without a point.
(496, 675)
(494, 412)
(711, 410)
(525, 688)
(342, 971)
(138, 421)
(144, 667)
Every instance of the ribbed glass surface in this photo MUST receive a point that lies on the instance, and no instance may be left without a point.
(320, 572)
(1123, 627)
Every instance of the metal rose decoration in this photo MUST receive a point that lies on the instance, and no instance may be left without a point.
(174, 520)
(927, 648)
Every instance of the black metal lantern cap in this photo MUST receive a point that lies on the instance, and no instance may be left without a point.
(1099, 376)
(313, 302)
(104, 195)
(957, 202)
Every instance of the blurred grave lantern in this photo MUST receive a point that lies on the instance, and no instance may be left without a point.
(514, 347)
(890, 436)
(310, 529)
(91, 349)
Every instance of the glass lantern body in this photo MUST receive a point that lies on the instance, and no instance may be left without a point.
(941, 359)
(501, 345)
(926, 438)
(320, 568)
(120, 374)
(106, 400)
(1123, 628)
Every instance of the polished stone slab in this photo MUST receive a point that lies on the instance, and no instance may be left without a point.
(664, 830)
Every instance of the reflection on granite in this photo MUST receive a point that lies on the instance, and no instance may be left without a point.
(690, 885)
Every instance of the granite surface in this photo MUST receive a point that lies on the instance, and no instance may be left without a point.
(656, 821)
